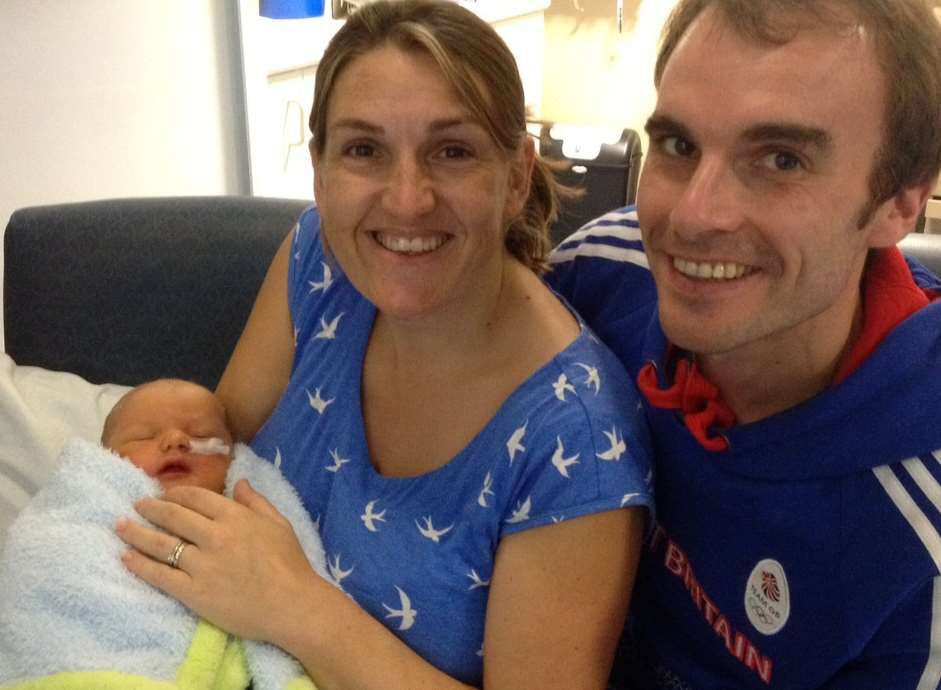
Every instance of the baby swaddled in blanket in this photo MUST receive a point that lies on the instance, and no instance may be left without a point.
(73, 617)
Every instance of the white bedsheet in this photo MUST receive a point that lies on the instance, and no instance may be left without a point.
(39, 411)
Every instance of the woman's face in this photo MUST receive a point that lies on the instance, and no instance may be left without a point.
(414, 194)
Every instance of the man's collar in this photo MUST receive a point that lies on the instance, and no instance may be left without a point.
(890, 295)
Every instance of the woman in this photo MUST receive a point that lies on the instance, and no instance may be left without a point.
(465, 443)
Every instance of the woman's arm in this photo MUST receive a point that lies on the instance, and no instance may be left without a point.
(244, 571)
(260, 366)
(558, 600)
(556, 607)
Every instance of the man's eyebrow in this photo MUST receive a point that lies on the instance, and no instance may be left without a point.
(659, 124)
(799, 135)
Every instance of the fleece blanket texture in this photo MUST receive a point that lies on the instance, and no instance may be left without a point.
(72, 617)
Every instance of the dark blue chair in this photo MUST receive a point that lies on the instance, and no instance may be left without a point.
(128, 290)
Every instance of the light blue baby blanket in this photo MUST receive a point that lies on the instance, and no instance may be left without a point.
(72, 616)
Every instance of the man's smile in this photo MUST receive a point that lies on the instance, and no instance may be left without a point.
(712, 270)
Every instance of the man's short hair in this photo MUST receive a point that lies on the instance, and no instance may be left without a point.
(907, 39)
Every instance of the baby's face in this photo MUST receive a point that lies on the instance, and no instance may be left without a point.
(166, 429)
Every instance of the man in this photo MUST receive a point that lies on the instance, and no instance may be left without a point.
(789, 358)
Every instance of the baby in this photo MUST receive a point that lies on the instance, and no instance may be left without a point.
(69, 609)
(175, 431)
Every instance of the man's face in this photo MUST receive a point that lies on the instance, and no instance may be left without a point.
(754, 185)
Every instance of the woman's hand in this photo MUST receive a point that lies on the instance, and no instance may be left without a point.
(244, 570)
(242, 567)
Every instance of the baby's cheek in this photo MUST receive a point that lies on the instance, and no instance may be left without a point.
(219, 467)
(140, 461)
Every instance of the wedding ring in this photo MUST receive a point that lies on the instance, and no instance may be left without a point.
(173, 559)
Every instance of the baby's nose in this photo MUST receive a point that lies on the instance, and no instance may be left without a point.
(175, 439)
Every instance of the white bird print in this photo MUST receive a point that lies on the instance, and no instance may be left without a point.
(618, 447)
(521, 514)
(370, 518)
(406, 613)
(593, 379)
(561, 386)
(317, 402)
(562, 463)
(277, 458)
(336, 572)
(484, 492)
(515, 444)
(323, 284)
(477, 581)
(328, 331)
(296, 332)
(429, 531)
(649, 477)
(557, 519)
(338, 462)
(628, 498)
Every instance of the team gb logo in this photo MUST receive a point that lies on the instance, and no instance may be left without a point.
(767, 598)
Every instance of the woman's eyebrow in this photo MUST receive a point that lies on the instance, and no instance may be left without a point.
(373, 128)
(450, 123)
(358, 124)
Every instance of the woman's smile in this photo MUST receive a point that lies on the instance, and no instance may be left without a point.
(414, 194)
(401, 244)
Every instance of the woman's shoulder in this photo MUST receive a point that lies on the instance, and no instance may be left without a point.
(307, 234)
(576, 439)
(587, 372)
(586, 392)
(312, 274)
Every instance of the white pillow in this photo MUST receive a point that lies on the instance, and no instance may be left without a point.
(39, 411)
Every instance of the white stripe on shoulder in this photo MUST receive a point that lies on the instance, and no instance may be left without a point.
(619, 220)
(931, 676)
(618, 215)
(620, 225)
(603, 251)
(927, 483)
(621, 232)
(910, 511)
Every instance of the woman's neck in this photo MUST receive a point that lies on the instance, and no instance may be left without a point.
(458, 335)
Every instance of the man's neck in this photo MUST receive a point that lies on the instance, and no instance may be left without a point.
(781, 371)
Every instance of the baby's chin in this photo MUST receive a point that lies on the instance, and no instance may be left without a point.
(171, 481)
(209, 472)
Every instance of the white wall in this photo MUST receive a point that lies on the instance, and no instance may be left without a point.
(582, 39)
(281, 58)
(109, 98)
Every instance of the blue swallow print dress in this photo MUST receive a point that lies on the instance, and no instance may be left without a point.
(417, 553)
